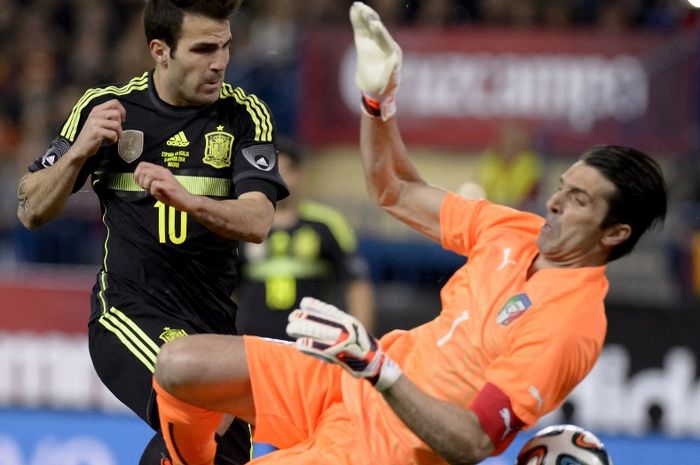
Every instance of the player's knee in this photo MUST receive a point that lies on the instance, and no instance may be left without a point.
(173, 365)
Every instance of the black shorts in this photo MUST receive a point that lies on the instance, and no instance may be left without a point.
(124, 343)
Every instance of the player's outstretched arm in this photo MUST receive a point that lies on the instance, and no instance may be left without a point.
(326, 332)
(42, 195)
(392, 181)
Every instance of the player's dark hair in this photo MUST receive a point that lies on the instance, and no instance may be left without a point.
(162, 19)
(640, 196)
(288, 147)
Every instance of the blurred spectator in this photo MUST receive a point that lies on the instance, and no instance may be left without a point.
(555, 14)
(495, 12)
(618, 15)
(670, 15)
(511, 171)
(522, 14)
(90, 41)
(440, 13)
(436, 13)
(683, 231)
(9, 172)
(393, 12)
(267, 65)
(327, 13)
(130, 55)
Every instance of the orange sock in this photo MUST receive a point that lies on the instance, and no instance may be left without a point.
(188, 430)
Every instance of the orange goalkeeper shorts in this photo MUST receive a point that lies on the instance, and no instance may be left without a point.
(299, 408)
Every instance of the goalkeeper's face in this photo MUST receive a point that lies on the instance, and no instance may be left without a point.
(572, 234)
(194, 72)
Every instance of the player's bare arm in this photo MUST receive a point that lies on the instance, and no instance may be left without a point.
(453, 432)
(43, 194)
(247, 218)
(392, 181)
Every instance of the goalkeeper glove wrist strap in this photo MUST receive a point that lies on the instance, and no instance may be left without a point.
(387, 376)
(371, 107)
(386, 107)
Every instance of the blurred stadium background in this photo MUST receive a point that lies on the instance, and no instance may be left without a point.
(566, 74)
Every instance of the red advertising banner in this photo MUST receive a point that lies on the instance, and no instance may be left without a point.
(49, 300)
(572, 89)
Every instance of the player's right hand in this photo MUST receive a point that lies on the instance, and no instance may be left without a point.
(328, 333)
(378, 59)
(103, 126)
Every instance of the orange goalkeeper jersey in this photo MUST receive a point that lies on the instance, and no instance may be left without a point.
(535, 339)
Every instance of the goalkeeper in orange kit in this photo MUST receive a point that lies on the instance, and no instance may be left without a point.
(522, 322)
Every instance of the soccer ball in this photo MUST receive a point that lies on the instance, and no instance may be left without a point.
(563, 445)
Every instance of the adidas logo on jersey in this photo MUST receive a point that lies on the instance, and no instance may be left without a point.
(178, 140)
(262, 162)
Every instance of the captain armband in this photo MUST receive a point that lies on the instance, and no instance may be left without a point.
(496, 416)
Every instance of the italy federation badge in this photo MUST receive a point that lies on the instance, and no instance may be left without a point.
(513, 309)
(130, 145)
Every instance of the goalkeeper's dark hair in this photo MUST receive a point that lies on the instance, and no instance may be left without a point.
(640, 196)
(162, 19)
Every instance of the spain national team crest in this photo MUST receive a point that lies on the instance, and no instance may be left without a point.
(170, 334)
(217, 151)
(513, 309)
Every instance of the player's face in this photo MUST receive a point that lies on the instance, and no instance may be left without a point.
(195, 71)
(572, 234)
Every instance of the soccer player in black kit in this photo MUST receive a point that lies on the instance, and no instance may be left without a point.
(311, 250)
(184, 166)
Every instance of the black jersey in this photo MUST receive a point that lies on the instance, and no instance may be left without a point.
(153, 251)
(314, 257)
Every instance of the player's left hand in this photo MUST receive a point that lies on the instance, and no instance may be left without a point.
(161, 184)
(326, 332)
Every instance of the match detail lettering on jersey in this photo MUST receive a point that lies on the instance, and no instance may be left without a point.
(217, 151)
(175, 159)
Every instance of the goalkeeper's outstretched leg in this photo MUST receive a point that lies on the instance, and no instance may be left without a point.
(200, 377)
